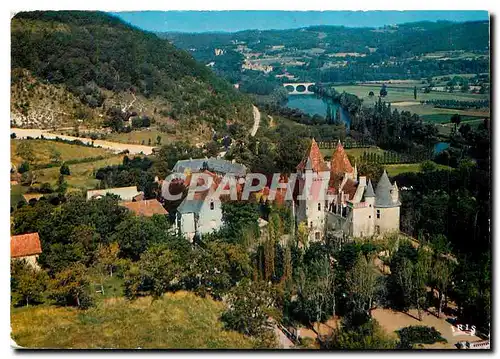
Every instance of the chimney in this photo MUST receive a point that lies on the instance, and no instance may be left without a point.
(362, 181)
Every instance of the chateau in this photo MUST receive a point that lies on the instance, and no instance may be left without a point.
(340, 202)
(332, 199)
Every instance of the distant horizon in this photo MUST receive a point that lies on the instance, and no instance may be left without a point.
(234, 21)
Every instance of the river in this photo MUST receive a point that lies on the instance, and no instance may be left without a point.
(316, 105)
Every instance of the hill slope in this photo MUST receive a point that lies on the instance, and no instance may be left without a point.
(76, 65)
(343, 54)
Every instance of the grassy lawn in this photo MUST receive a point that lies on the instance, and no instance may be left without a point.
(82, 174)
(180, 320)
(44, 148)
(394, 170)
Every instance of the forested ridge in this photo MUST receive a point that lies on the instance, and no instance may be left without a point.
(93, 52)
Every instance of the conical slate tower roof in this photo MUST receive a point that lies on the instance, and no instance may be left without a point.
(383, 192)
(369, 190)
(313, 160)
(340, 162)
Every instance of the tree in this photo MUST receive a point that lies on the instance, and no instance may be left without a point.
(154, 274)
(64, 170)
(420, 279)
(428, 166)
(441, 274)
(27, 283)
(402, 282)
(371, 94)
(250, 304)
(303, 234)
(238, 216)
(362, 284)
(290, 150)
(383, 91)
(372, 171)
(315, 286)
(288, 267)
(456, 119)
(217, 268)
(158, 140)
(136, 234)
(71, 287)
(107, 257)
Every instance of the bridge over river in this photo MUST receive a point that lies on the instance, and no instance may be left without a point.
(299, 88)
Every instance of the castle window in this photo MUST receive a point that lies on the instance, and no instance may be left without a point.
(212, 206)
(370, 206)
(369, 216)
(310, 224)
(378, 213)
(316, 236)
(319, 206)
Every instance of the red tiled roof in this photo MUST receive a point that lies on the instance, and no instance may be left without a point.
(316, 159)
(340, 162)
(350, 188)
(145, 208)
(25, 245)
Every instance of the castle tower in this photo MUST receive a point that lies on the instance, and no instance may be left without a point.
(387, 206)
(363, 212)
(313, 177)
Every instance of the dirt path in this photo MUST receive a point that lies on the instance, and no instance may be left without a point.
(124, 109)
(22, 133)
(256, 119)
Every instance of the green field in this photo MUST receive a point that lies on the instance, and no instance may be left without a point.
(356, 153)
(16, 194)
(394, 170)
(404, 94)
(82, 174)
(180, 320)
(44, 148)
(445, 118)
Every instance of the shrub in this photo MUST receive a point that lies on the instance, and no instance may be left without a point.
(24, 167)
(419, 335)
(46, 188)
(64, 170)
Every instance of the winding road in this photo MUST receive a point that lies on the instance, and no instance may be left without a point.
(256, 121)
(117, 147)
